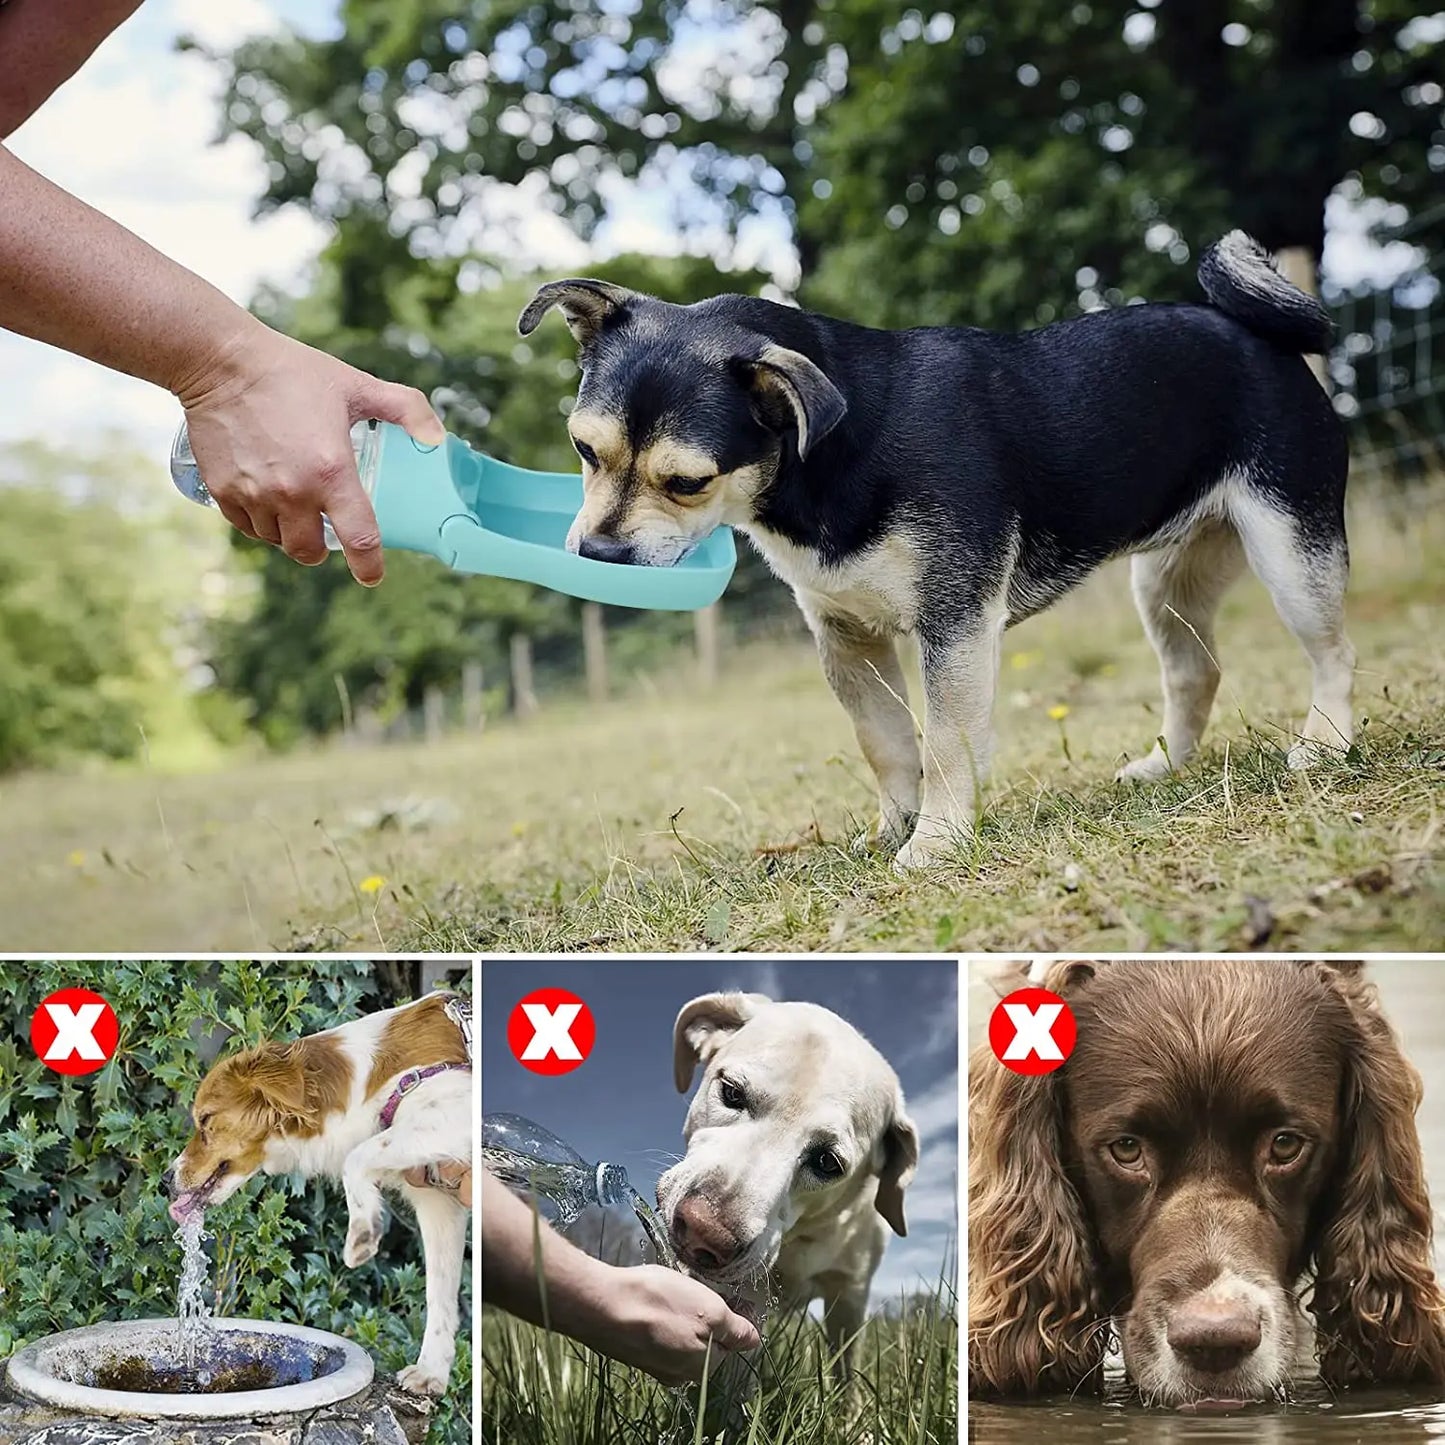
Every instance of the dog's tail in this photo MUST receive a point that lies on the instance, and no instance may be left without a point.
(1240, 277)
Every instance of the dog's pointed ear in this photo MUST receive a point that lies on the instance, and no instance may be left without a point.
(275, 1080)
(584, 304)
(702, 1026)
(791, 393)
(900, 1163)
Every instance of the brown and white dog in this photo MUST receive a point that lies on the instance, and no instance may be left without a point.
(359, 1103)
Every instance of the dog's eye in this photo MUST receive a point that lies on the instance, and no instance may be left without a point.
(1286, 1147)
(686, 486)
(1127, 1151)
(732, 1096)
(585, 452)
(826, 1164)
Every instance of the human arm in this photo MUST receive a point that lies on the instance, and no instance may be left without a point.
(43, 43)
(269, 418)
(654, 1318)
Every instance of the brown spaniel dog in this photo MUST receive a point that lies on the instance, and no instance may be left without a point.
(1224, 1133)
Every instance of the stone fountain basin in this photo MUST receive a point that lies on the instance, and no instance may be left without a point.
(131, 1369)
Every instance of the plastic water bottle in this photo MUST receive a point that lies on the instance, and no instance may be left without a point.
(593, 1205)
(365, 445)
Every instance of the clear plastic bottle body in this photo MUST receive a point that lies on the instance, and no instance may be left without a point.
(186, 475)
(593, 1205)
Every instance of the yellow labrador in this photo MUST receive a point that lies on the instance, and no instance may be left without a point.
(799, 1149)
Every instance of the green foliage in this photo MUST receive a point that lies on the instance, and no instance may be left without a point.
(865, 126)
(97, 600)
(70, 637)
(84, 1233)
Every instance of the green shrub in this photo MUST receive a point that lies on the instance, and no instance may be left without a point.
(84, 1233)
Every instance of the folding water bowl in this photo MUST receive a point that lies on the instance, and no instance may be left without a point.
(481, 516)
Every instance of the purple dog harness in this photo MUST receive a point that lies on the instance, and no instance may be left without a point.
(459, 1011)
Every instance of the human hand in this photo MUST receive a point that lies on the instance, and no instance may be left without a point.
(662, 1322)
(269, 422)
(453, 1175)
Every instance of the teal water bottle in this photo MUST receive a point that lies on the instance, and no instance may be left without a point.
(485, 517)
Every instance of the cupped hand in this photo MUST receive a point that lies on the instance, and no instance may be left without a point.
(452, 1175)
(270, 420)
(663, 1322)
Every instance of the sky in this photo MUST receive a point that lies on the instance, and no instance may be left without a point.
(621, 1106)
(132, 135)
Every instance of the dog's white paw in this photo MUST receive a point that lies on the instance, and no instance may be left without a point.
(1304, 754)
(918, 853)
(423, 1379)
(363, 1238)
(1146, 769)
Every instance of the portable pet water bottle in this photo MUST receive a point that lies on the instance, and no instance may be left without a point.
(484, 517)
(593, 1205)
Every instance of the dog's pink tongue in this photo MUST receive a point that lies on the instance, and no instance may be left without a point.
(181, 1209)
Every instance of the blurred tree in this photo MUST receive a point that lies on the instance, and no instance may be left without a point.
(1011, 164)
(420, 108)
(984, 144)
(84, 644)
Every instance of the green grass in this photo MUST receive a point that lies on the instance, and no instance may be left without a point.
(680, 818)
(540, 1389)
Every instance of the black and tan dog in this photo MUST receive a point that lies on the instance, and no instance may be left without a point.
(949, 482)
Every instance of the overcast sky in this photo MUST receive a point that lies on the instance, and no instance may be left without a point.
(131, 134)
(621, 1104)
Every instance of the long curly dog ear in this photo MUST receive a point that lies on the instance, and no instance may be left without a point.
(1377, 1305)
(1036, 1323)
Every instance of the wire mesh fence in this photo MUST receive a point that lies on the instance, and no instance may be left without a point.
(1388, 368)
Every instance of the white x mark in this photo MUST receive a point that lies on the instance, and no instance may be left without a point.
(74, 1031)
(1033, 1036)
(554, 1030)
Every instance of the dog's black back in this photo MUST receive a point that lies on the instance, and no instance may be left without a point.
(1085, 438)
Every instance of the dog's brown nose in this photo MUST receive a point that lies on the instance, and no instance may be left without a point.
(1214, 1334)
(700, 1236)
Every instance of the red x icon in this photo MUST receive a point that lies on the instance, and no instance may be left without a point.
(74, 1031)
(1032, 1031)
(551, 1031)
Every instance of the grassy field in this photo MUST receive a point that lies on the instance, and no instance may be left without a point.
(676, 818)
(539, 1389)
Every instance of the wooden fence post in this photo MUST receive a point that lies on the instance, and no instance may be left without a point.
(524, 699)
(434, 713)
(1297, 266)
(474, 713)
(594, 650)
(704, 631)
